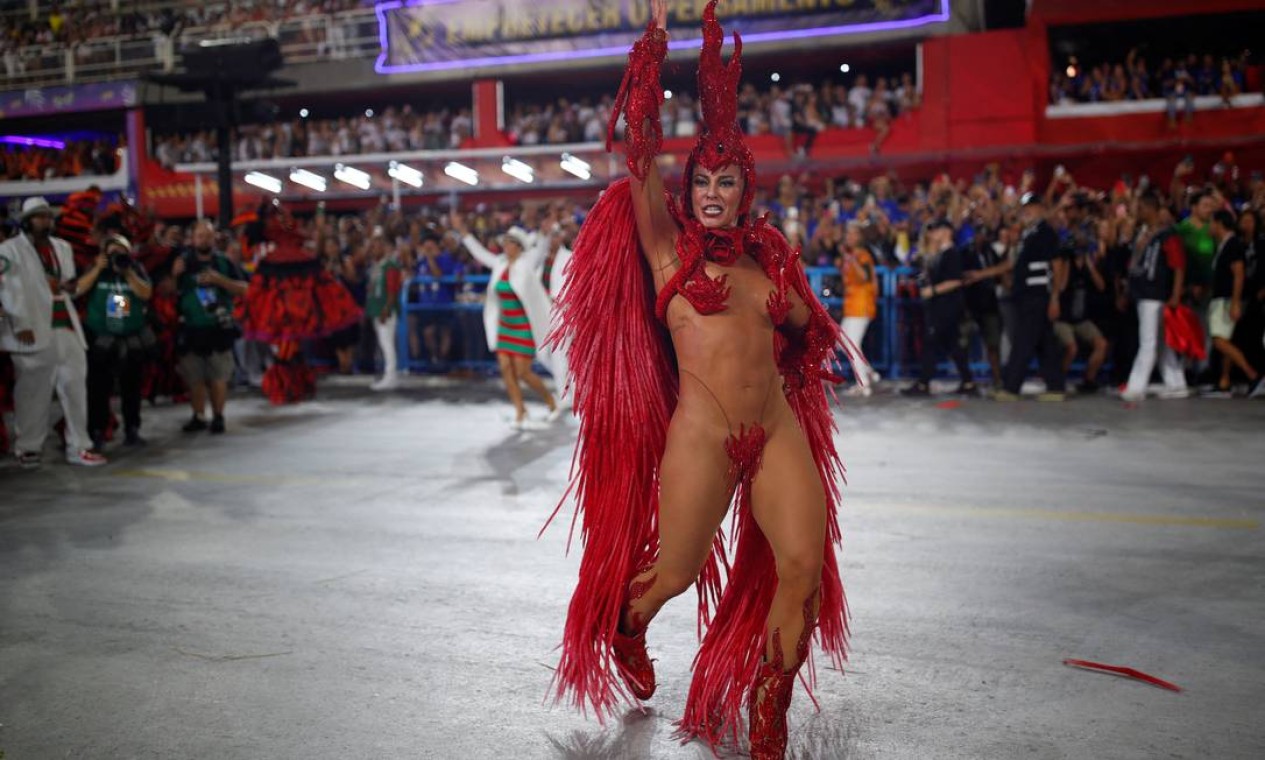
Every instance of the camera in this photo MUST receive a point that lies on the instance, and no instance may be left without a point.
(121, 261)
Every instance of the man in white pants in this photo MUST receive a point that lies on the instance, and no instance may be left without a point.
(1156, 275)
(382, 306)
(42, 332)
(560, 257)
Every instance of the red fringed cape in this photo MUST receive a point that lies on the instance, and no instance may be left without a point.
(625, 384)
(292, 298)
(295, 300)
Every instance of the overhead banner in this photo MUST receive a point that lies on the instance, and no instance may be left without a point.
(432, 35)
(46, 101)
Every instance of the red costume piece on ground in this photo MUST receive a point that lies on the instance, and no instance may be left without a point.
(1117, 670)
(626, 387)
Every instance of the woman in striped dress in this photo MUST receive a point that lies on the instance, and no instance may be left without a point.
(516, 312)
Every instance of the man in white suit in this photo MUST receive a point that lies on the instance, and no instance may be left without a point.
(42, 332)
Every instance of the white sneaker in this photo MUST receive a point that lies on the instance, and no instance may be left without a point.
(1132, 397)
(385, 384)
(558, 413)
(1171, 394)
(530, 424)
(86, 458)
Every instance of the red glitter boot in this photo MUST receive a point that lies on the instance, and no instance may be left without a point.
(631, 658)
(769, 701)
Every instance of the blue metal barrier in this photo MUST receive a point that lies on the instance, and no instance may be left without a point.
(891, 345)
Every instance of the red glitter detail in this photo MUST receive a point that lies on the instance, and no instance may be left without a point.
(639, 99)
(720, 141)
(746, 449)
(772, 691)
(770, 699)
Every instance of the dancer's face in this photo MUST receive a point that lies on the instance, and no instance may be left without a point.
(716, 196)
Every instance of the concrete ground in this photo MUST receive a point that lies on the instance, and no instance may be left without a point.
(359, 577)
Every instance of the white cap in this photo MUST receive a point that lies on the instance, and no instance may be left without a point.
(520, 235)
(35, 205)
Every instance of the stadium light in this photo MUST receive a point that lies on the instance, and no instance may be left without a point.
(264, 182)
(352, 176)
(576, 166)
(518, 170)
(406, 174)
(462, 173)
(308, 179)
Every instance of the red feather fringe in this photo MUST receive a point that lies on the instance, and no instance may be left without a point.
(625, 391)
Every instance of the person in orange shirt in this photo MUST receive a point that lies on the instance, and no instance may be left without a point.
(860, 300)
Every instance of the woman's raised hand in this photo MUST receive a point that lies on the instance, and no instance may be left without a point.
(659, 10)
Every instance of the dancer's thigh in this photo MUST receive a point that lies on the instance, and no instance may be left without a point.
(694, 494)
(789, 503)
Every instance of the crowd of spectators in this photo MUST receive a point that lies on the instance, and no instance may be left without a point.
(796, 112)
(76, 21)
(83, 26)
(935, 237)
(78, 158)
(1178, 80)
(391, 130)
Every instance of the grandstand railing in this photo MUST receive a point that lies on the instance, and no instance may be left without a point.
(892, 344)
(347, 35)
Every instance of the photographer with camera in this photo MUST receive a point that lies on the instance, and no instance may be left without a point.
(120, 339)
(206, 284)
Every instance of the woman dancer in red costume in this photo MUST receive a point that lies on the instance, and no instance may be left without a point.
(292, 298)
(699, 353)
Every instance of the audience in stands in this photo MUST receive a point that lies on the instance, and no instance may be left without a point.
(78, 158)
(790, 112)
(1177, 80)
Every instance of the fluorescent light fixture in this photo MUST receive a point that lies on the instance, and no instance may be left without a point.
(308, 179)
(382, 67)
(576, 166)
(264, 182)
(462, 173)
(33, 142)
(406, 174)
(352, 176)
(518, 170)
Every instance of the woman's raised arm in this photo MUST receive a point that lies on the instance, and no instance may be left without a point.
(639, 100)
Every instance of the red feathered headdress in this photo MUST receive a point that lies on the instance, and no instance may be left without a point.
(720, 141)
